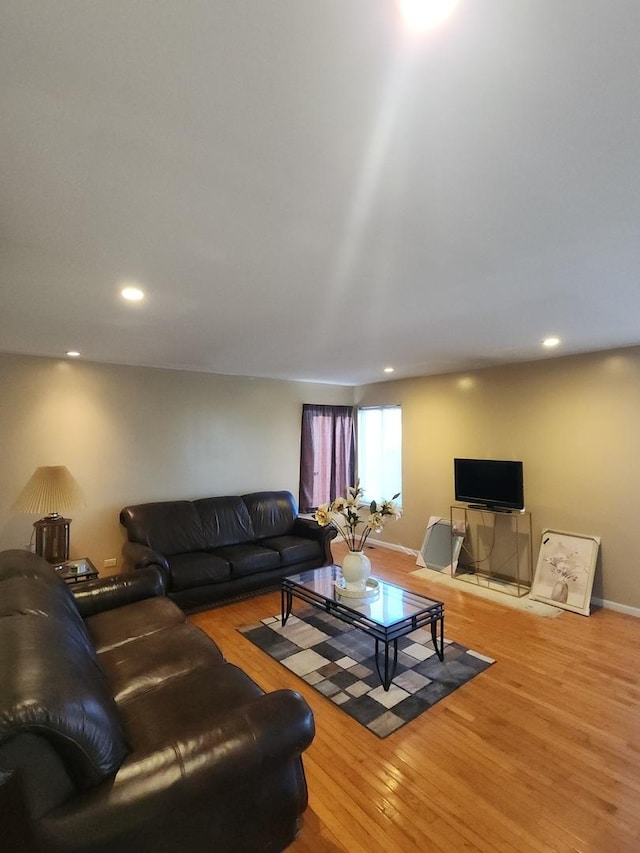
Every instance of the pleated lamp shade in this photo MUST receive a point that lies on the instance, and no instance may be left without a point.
(50, 491)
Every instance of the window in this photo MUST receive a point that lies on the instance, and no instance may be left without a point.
(380, 452)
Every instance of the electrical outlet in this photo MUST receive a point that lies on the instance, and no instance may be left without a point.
(110, 563)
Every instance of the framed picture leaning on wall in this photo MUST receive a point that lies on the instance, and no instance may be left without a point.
(565, 569)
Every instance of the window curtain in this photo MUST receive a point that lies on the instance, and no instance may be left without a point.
(327, 454)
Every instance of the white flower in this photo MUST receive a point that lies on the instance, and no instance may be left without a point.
(322, 515)
(375, 522)
(391, 508)
(339, 504)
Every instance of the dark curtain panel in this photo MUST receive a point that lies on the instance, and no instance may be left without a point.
(327, 454)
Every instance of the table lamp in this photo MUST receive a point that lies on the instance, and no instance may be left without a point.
(51, 490)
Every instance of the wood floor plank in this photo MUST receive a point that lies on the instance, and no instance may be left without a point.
(538, 754)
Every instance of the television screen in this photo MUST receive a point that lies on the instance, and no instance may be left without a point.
(490, 483)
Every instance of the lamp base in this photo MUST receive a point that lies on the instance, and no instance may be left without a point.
(52, 538)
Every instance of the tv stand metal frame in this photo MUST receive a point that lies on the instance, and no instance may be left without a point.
(520, 578)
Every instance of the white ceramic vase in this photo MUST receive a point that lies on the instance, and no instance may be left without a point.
(356, 568)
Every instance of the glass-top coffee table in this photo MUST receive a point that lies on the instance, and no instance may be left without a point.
(390, 613)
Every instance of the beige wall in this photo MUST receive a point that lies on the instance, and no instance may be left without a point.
(131, 435)
(572, 421)
(134, 434)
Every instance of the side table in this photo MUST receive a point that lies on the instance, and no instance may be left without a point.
(74, 571)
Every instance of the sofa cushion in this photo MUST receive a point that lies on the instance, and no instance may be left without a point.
(225, 521)
(272, 513)
(169, 527)
(293, 549)
(197, 569)
(29, 585)
(124, 624)
(190, 705)
(21, 595)
(147, 662)
(17, 562)
(248, 559)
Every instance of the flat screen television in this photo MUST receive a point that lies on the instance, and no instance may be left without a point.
(489, 483)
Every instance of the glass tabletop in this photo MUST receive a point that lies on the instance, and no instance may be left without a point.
(391, 605)
(77, 568)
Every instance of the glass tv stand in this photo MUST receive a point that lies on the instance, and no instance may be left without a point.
(496, 550)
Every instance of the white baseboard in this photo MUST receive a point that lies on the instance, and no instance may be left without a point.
(372, 543)
(598, 602)
(619, 608)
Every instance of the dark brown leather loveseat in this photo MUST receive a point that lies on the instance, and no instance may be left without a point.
(217, 548)
(123, 729)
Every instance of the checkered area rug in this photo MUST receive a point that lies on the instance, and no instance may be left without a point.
(338, 661)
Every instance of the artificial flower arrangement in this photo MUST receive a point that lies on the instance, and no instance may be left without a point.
(349, 513)
(565, 564)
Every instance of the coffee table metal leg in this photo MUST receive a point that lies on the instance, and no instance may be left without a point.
(389, 666)
(438, 644)
(286, 603)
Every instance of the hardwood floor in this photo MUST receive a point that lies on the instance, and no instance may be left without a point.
(539, 753)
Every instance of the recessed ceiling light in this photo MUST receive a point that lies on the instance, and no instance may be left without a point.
(132, 294)
(422, 15)
(388, 370)
(73, 353)
(550, 342)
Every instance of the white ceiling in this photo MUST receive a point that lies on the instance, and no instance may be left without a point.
(306, 192)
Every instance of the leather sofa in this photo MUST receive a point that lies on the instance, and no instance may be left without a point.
(123, 728)
(216, 548)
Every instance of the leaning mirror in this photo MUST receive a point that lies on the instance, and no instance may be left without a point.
(441, 546)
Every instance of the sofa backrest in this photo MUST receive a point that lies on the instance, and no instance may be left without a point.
(272, 513)
(169, 527)
(51, 684)
(225, 521)
(181, 527)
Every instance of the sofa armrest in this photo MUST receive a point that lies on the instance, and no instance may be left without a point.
(137, 556)
(107, 593)
(196, 773)
(310, 529)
